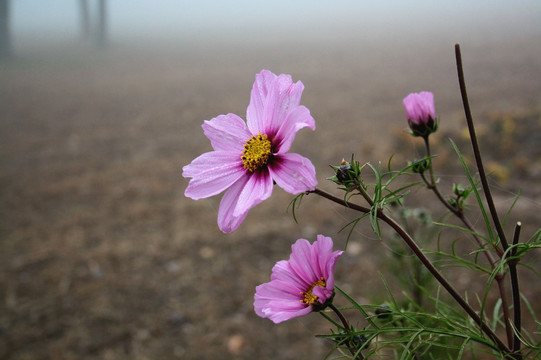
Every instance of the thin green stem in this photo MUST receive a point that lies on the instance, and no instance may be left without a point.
(432, 185)
(365, 195)
(505, 309)
(429, 156)
(426, 262)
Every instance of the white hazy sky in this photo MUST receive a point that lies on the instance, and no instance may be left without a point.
(245, 18)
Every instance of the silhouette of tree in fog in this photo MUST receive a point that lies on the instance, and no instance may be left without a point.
(85, 22)
(101, 33)
(5, 36)
(94, 30)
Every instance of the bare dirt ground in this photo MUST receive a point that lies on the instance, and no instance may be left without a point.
(101, 255)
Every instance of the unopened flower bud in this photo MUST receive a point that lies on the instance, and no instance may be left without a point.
(458, 190)
(347, 174)
(343, 172)
(421, 113)
(420, 166)
(356, 341)
(462, 194)
(359, 341)
(384, 312)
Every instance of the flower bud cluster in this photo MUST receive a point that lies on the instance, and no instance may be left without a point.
(419, 166)
(347, 174)
(461, 194)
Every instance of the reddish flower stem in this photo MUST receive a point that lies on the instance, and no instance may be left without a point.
(476, 151)
(340, 316)
(347, 328)
(516, 293)
(488, 195)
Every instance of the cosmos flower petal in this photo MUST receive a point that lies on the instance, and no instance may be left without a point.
(212, 173)
(282, 271)
(293, 173)
(294, 92)
(257, 189)
(323, 293)
(278, 309)
(282, 101)
(226, 132)
(419, 107)
(302, 261)
(227, 221)
(255, 114)
(277, 290)
(327, 258)
(286, 314)
(274, 301)
(283, 297)
(428, 103)
(298, 118)
(273, 98)
(266, 308)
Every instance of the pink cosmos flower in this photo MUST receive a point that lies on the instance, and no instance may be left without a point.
(421, 113)
(300, 285)
(249, 157)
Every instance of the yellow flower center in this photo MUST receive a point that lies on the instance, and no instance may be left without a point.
(308, 297)
(257, 152)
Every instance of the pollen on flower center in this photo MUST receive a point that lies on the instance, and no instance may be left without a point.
(308, 297)
(257, 152)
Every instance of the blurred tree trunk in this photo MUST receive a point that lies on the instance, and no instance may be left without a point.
(101, 33)
(85, 23)
(5, 36)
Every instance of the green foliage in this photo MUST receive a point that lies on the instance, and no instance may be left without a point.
(408, 332)
(422, 325)
(384, 194)
(431, 320)
(295, 204)
(473, 186)
(410, 272)
(461, 194)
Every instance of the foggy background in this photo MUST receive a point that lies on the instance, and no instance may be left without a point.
(259, 21)
(102, 256)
